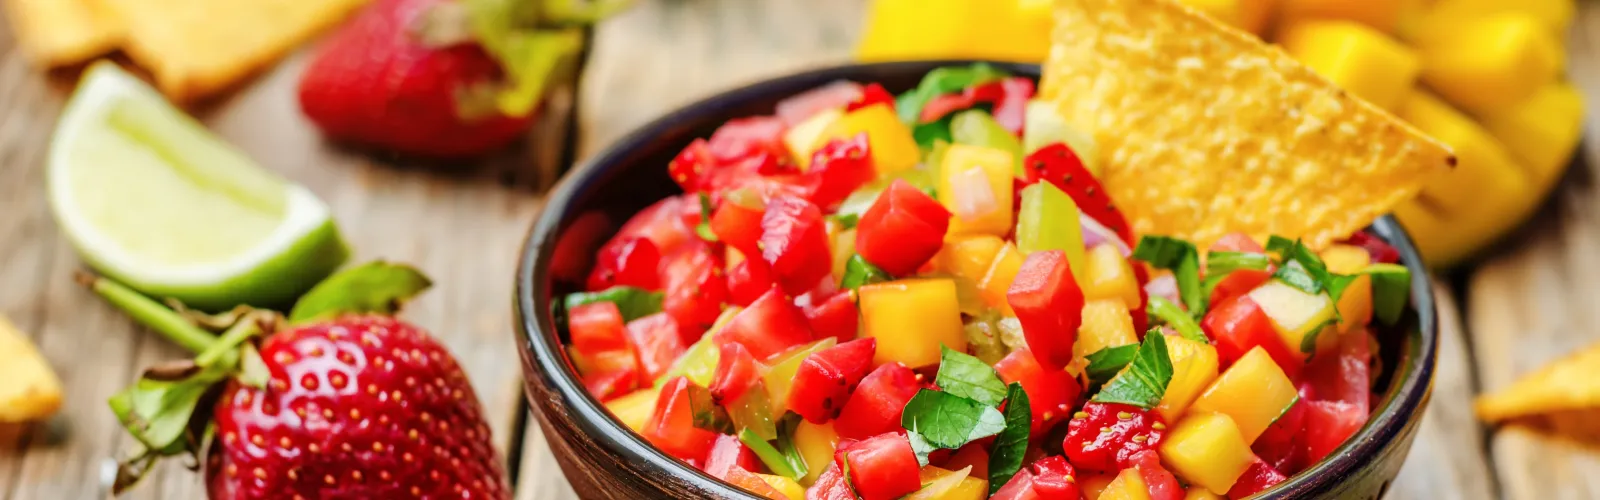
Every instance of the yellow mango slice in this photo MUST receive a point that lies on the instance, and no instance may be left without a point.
(1248, 15)
(1355, 305)
(975, 185)
(29, 389)
(1541, 131)
(1106, 323)
(1253, 392)
(801, 139)
(1383, 15)
(1487, 65)
(943, 484)
(634, 409)
(1128, 485)
(997, 279)
(944, 29)
(968, 256)
(1295, 314)
(1194, 367)
(1553, 15)
(788, 487)
(893, 148)
(1094, 483)
(1209, 450)
(844, 247)
(816, 443)
(911, 319)
(1359, 58)
(1107, 275)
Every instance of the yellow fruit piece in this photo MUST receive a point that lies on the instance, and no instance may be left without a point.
(975, 185)
(1382, 15)
(1362, 60)
(1295, 313)
(29, 390)
(62, 32)
(1487, 65)
(1355, 305)
(1209, 450)
(1128, 485)
(1253, 392)
(816, 443)
(1554, 15)
(1107, 275)
(1106, 323)
(1541, 131)
(635, 408)
(1094, 483)
(911, 319)
(968, 256)
(942, 484)
(1194, 367)
(788, 487)
(893, 148)
(997, 279)
(1248, 15)
(844, 247)
(802, 137)
(943, 29)
(1200, 493)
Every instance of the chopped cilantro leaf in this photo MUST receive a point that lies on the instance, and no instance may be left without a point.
(949, 421)
(859, 272)
(1303, 269)
(703, 229)
(1177, 318)
(1006, 454)
(1183, 260)
(846, 221)
(1146, 379)
(1221, 264)
(634, 303)
(962, 375)
(1105, 363)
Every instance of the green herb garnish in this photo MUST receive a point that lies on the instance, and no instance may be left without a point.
(1221, 264)
(1177, 318)
(846, 221)
(1146, 379)
(1183, 260)
(785, 445)
(963, 375)
(1105, 363)
(634, 303)
(942, 81)
(949, 421)
(1006, 454)
(707, 413)
(771, 457)
(703, 229)
(858, 272)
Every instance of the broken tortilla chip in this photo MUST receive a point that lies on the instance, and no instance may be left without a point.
(1562, 398)
(1205, 130)
(195, 48)
(28, 389)
(63, 32)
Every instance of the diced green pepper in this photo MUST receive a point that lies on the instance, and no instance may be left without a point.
(1049, 221)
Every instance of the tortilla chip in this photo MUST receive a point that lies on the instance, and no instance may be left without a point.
(195, 48)
(28, 389)
(1561, 398)
(63, 32)
(1205, 130)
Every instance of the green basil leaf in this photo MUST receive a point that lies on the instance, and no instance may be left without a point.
(1146, 379)
(942, 81)
(963, 375)
(1221, 264)
(1177, 318)
(1183, 260)
(921, 447)
(1006, 454)
(769, 456)
(634, 303)
(1105, 363)
(859, 272)
(949, 421)
(1391, 288)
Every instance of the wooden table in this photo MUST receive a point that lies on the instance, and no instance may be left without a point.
(463, 225)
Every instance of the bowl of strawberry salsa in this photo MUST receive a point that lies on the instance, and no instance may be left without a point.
(905, 281)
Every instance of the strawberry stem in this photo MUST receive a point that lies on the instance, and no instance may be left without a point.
(150, 313)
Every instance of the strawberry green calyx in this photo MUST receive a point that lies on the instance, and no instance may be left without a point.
(373, 288)
(535, 42)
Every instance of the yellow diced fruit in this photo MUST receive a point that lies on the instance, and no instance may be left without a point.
(942, 484)
(911, 319)
(1248, 15)
(997, 279)
(29, 389)
(635, 408)
(1094, 483)
(801, 139)
(1355, 305)
(1490, 64)
(1254, 392)
(815, 443)
(1200, 493)
(1356, 57)
(788, 487)
(893, 148)
(956, 29)
(1128, 485)
(1207, 449)
(968, 256)
(1541, 131)
(1553, 15)
(844, 247)
(1108, 275)
(1194, 367)
(1382, 15)
(1106, 323)
(975, 185)
(1295, 313)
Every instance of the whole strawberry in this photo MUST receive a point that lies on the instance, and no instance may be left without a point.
(340, 400)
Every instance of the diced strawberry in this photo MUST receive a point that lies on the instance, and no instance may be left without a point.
(877, 403)
(1380, 251)
(607, 385)
(695, 287)
(794, 241)
(1105, 436)
(1282, 444)
(1054, 479)
(1328, 425)
(744, 137)
(1059, 165)
(727, 451)
(736, 372)
(1257, 478)
(662, 224)
(882, 467)
(1049, 305)
(770, 325)
(739, 226)
(628, 262)
(671, 428)
(830, 485)
(836, 317)
(597, 327)
(839, 168)
(1051, 393)
(1238, 325)
(836, 95)
(1160, 483)
(691, 164)
(1020, 487)
(902, 229)
(825, 379)
(870, 95)
(656, 343)
(747, 281)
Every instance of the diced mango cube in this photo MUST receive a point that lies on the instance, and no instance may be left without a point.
(1541, 131)
(1355, 306)
(1382, 15)
(1194, 367)
(801, 139)
(943, 484)
(968, 256)
(1128, 485)
(997, 279)
(1200, 493)
(1248, 15)
(1094, 483)
(1254, 392)
(1553, 15)
(1209, 450)
(1106, 323)
(975, 184)
(634, 409)
(1358, 58)
(1295, 313)
(1490, 64)
(911, 319)
(844, 247)
(893, 148)
(1107, 274)
(788, 487)
(816, 443)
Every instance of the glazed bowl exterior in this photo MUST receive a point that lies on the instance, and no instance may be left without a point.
(603, 459)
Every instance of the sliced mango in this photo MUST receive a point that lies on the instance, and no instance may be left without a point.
(1094, 483)
(1253, 392)
(1248, 15)
(893, 148)
(968, 256)
(997, 279)
(1357, 57)
(1383, 15)
(1355, 305)
(1488, 65)
(788, 487)
(1194, 367)
(634, 409)
(1128, 485)
(844, 247)
(1106, 323)
(816, 443)
(1106, 274)
(911, 319)
(1541, 131)
(1553, 15)
(975, 185)
(29, 389)
(801, 139)
(1209, 450)
(943, 484)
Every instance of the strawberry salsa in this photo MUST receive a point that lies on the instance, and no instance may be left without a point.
(929, 296)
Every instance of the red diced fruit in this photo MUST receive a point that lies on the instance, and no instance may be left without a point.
(1049, 305)
(794, 241)
(1241, 281)
(745, 137)
(695, 288)
(662, 223)
(656, 343)
(839, 168)
(671, 428)
(1345, 377)
(804, 105)
(870, 95)
(748, 481)
(1282, 444)
(736, 372)
(1257, 478)
(1161, 484)
(573, 256)
(1328, 425)
(902, 229)
(1237, 242)
(882, 467)
(825, 379)
(728, 452)
(831, 485)
(1059, 165)
(597, 327)
(1238, 325)
(1051, 393)
(1020, 487)
(770, 325)
(836, 317)
(739, 226)
(1377, 249)
(747, 281)
(878, 402)
(694, 162)
(607, 385)
(628, 262)
(1053, 479)
(1105, 436)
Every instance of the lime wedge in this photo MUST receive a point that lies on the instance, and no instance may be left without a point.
(150, 198)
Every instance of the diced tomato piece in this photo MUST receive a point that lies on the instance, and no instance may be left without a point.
(794, 241)
(1051, 393)
(826, 377)
(671, 428)
(743, 137)
(1053, 479)
(1059, 165)
(771, 325)
(1282, 444)
(1238, 325)
(902, 229)
(882, 467)
(662, 224)
(836, 317)
(1347, 376)
(691, 164)
(1160, 482)
(831, 485)
(727, 451)
(1257, 478)
(747, 280)
(739, 226)
(799, 107)
(610, 384)
(877, 403)
(574, 253)
(839, 168)
(870, 95)
(695, 288)
(1328, 425)
(597, 327)
(1049, 305)
(1379, 250)
(736, 372)
(1020, 487)
(656, 343)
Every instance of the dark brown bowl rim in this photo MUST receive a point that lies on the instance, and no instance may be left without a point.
(1404, 403)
